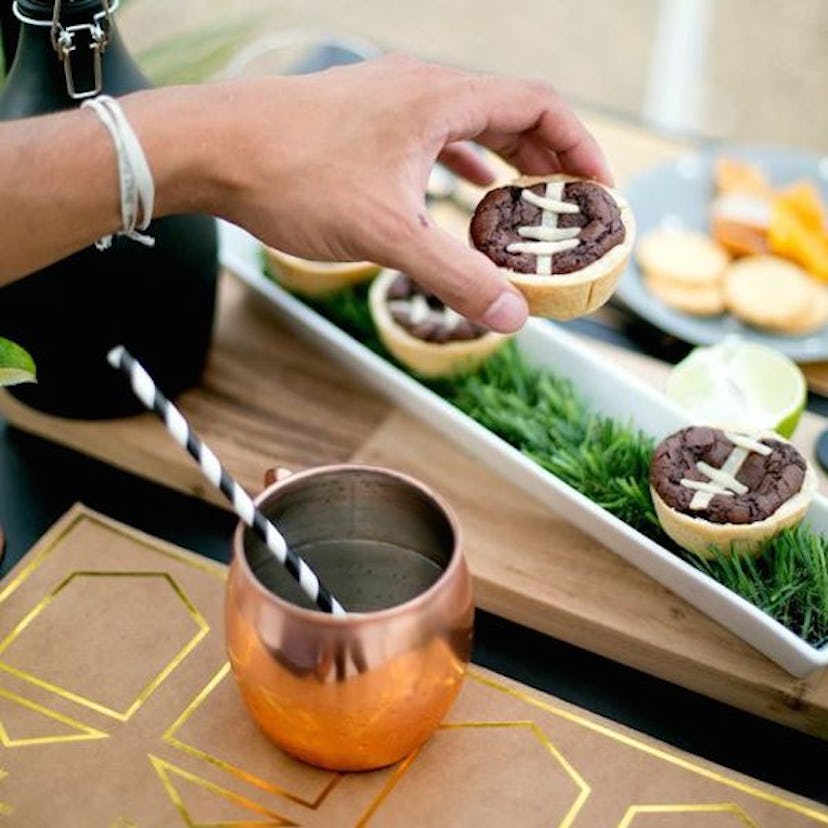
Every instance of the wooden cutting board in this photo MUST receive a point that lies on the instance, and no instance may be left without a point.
(268, 399)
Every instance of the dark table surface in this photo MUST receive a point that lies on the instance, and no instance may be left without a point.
(39, 481)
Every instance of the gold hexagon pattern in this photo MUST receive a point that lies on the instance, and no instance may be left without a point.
(637, 816)
(88, 650)
(176, 779)
(560, 808)
(5, 808)
(171, 743)
(307, 795)
(41, 726)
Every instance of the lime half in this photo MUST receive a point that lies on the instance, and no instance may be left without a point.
(16, 365)
(741, 386)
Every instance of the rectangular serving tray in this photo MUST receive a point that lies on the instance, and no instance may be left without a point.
(609, 389)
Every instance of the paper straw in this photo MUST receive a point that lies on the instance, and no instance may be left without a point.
(146, 391)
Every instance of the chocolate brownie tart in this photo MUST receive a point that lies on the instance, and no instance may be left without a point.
(712, 487)
(563, 241)
(424, 334)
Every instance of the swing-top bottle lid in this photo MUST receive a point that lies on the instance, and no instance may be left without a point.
(43, 10)
(80, 31)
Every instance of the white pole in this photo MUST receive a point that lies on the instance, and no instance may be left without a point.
(674, 96)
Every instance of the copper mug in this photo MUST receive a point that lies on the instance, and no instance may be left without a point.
(363, 690)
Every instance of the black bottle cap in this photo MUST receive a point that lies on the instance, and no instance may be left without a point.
(44, 9)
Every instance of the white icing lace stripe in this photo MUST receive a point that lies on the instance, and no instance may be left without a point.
(419, 309)
(720, 476)
(544, 233)
(542, 248)
(451, 319)
(554, 205)
(743, 441)
(550, 239)
(705, 486)
(701, 499)
(549, 222)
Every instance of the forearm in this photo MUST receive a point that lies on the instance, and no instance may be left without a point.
(60, 189)
(329, 166)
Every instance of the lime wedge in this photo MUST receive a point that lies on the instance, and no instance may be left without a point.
(16, 365)
(741, 386)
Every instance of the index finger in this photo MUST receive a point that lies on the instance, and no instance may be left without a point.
(529, 124)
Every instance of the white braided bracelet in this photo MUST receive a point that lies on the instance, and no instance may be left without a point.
(134, 175)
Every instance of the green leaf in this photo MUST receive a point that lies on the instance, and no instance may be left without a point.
(16, 365)
(194, 56)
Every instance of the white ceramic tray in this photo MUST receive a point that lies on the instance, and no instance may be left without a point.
(609, 389)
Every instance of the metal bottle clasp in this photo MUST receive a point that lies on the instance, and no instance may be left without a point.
(66, 46)
(98, 33)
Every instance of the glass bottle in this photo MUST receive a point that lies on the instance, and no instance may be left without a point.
(159, 302)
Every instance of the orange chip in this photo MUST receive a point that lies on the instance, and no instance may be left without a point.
(791, 236)
(739, 239)
(804, 201)
(734, 176)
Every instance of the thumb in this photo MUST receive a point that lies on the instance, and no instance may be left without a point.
(463, 278)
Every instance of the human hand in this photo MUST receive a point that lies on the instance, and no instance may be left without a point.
(334, 165)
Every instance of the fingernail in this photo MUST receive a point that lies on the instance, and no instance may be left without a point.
(507, 313)
(609, 176)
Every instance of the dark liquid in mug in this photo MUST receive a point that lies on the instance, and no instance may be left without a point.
(363, 575)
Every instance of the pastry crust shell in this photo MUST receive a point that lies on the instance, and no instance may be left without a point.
(309, 278)
(698, 535)
(568, 295)
(429, 359)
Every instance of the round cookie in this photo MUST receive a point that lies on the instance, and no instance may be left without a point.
(739, 222)
(700, 301)
(715, 488)
(422, 333)
(562, 241)
(815, 316)
(685, 257)
(311, 278)
(772, 293)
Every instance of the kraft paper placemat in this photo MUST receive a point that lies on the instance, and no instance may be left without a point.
(118, 710)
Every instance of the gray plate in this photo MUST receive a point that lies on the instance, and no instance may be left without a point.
(679, 193)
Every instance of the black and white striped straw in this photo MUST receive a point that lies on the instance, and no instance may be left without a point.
(146, 391)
